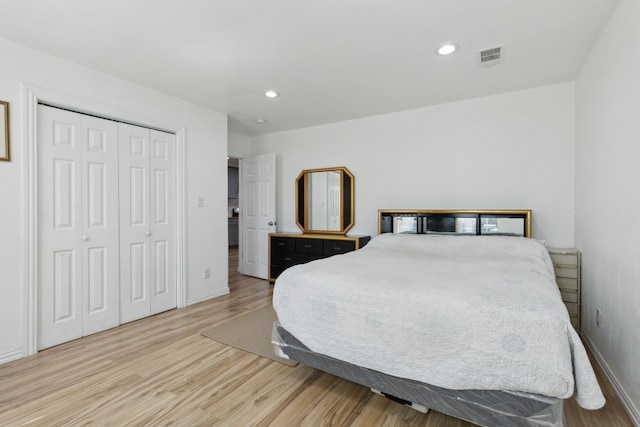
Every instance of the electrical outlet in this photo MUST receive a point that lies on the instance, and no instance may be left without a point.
(598, 317)
(207, 273)
(200, 201)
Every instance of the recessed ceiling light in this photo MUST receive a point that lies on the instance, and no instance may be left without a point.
(271, 94)
(447, 49)
(261, 121)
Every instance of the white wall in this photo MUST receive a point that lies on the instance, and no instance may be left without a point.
(608, 200)
(238, 145)
(502, 152)
(206, 175)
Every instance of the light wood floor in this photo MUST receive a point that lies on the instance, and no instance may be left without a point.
(161, 371)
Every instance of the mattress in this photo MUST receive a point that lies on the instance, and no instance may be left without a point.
(482, 407)
(455, 312)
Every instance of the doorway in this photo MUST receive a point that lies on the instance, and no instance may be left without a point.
(256, 211)
(233, 208)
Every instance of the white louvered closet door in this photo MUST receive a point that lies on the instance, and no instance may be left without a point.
(147, 218)
(77, 225)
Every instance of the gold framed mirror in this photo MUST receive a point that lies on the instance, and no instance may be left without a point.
(325, 200)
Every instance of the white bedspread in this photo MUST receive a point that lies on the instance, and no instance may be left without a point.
(459, 312)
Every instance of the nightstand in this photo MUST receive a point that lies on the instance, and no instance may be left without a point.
(566, 264)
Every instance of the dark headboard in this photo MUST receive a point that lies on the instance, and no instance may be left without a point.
(455, 221)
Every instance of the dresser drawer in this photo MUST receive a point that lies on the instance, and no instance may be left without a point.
(569, 296)
(282, 245)
(287, 259)
(565, 283)
(572, 308)
(334, 247)
(275, 271)
(575, 322)
(565, 260)
(309, 246)
(570, 273)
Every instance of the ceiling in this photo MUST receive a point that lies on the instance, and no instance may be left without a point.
(331, 60)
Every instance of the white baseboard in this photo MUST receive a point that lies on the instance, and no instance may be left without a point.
(10, 356)
(628, 404)
(208, 296)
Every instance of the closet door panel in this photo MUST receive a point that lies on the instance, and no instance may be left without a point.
(100, 225)
(138, 196)
(138, 278)
(135, 230)
(162, 217)
(59, 227)
(65, 286)
(97, 297)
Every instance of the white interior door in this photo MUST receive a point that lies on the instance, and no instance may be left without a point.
(258, 213)
(77, 226)
(135, 302)
(162, 219)
(147, 222)
(100, 266)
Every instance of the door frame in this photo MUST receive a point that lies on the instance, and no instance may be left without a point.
(34, 95)
(238, 158)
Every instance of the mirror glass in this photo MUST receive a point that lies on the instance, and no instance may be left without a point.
(325, 200)
(510, 223)
(502, 226)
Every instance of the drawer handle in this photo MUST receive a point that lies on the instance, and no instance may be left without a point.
(337, 248)
(281, 244)
(307, 246)
(287, 258)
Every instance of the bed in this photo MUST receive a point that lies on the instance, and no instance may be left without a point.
(453, 311)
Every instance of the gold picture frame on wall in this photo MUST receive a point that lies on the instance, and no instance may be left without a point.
(4, 132)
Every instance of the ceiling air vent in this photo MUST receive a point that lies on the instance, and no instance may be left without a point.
(491, 56)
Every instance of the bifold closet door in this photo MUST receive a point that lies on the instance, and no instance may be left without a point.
(77, 225)
(147, 218)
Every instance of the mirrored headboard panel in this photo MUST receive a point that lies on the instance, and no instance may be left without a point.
(325, 200)
(458, 221)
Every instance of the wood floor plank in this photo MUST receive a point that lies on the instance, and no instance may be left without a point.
(161, 371)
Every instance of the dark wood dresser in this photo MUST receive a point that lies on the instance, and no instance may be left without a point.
(286, 250)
